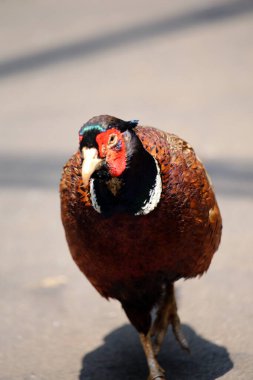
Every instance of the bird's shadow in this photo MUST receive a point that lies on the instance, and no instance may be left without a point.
(121, 357)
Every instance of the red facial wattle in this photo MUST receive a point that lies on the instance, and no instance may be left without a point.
(115, 155)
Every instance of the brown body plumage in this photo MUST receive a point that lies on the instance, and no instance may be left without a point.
(131, 258)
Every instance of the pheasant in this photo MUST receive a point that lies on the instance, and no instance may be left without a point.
(139, 213)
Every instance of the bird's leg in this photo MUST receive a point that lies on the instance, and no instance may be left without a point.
(167, 314)
(160, 325)
(155, 371)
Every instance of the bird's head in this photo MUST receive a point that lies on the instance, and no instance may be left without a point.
(104, 144)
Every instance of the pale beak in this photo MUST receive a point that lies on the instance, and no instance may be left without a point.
(91, 162)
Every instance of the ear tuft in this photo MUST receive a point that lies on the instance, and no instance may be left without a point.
(122, 125)
(132, 123)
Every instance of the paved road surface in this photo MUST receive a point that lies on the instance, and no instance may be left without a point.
(185, 67)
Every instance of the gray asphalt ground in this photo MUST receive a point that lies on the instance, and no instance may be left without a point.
(185, 67)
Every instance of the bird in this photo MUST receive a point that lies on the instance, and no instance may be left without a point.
(139, 213)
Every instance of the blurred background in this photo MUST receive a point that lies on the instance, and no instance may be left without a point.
(184, 67)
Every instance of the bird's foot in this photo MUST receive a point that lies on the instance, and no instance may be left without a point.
(178, 332)
(161, 377)
(155, 370)
(160, 374)
(158, 331)
(166, 315)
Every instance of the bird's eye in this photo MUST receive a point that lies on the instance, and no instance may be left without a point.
(113, 139)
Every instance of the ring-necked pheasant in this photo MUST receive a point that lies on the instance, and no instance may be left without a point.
(139, 213)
